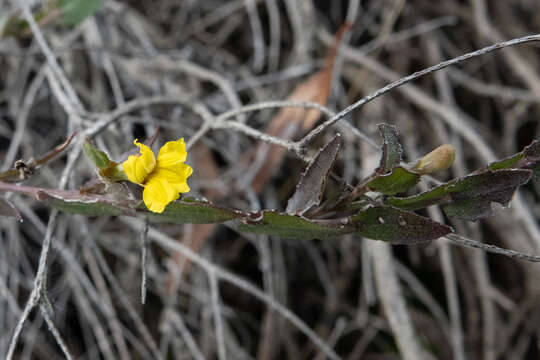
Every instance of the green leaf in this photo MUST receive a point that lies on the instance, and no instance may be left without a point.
(178, 212)
(397, 226)
(118, 201)
(398, 180)
(391, 148)
(74, 203)
(293, 226)
(470, 197)
(529, 158)
(434, 196)
(378, 223)
(97, 157)
(382, 223)
(309, 190)
(76, 11)
(506, 163)
(190, 211)
(107, 169)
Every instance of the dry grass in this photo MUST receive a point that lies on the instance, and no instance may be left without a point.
(246, 82)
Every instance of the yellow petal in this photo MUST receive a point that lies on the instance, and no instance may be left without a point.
(181, 187)
(173, 174)
(138, 167)
(158, 193)
(172, 153)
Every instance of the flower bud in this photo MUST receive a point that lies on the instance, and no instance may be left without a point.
(439, 159)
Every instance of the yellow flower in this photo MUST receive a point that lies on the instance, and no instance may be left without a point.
(163, 178)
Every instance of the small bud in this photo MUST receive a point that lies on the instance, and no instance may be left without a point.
(439, 159)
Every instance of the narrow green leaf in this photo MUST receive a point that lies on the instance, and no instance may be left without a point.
(293, 226)
(110, 170)
(397, 226)
(75, 203)
(434, 196)
(470, 197)
(529, 158)
(398, 180)
(118, 201)
(378, 223)
(190, 211)
(391, 148)
(97, 157)
(473, 196)
(506, 163)
(310, 189)
(76, 11)
(178, 212)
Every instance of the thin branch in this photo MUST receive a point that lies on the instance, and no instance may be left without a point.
(312, 134)
(493, 90)
(464, 242)
(35, 295)
(257, 35)
(256, 134)
(186, 335)
(51, 59)
(54, 331)
(144, 254)
(164, 63)
(400, 36)
(22, 118)
(137, 104)
(122, 297)
(216, 309)
(223, 274)
(394, 304)
(275, 34)
(274, 105)
(220, 13)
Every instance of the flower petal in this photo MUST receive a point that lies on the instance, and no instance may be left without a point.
(173, 174)
(181, 187)
(174, 177)
(172, 153)
(158, 193)
(138, 167)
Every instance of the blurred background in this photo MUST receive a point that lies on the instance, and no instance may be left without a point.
(178, 65)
